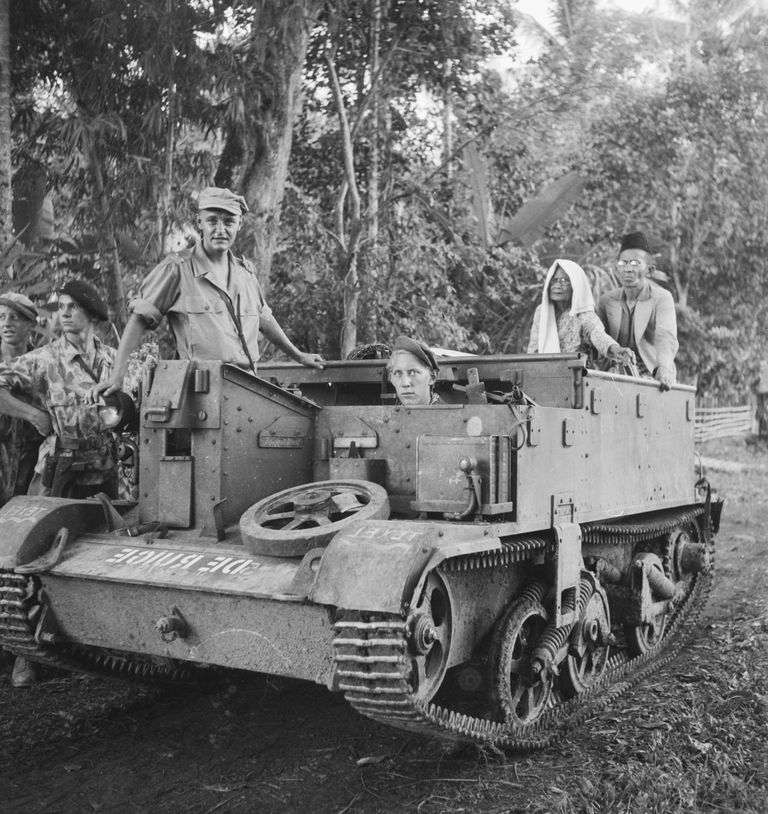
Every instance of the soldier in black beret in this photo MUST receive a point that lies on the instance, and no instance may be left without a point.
(413, 370)
(50, 387)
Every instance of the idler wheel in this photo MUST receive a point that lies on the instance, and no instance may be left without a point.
(294, 521)
(684, 557)
(522, 692)
(431, 630)
(588, 646)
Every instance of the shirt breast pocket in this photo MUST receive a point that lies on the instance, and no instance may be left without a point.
(68, 412)
(60, 400)
(202, 306)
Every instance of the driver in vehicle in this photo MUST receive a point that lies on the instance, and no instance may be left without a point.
(413, 370)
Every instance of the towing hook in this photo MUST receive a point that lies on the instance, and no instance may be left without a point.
(172, 627)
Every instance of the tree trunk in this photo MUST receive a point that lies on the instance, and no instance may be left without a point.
(164, 200)
(108, 252)
(255, 158)
(349, 239)
(374, 260)
(448, 121)
(6, 218)
(374, 167)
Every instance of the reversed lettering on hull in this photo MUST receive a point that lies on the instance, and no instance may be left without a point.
(164, 559)
(385, 534)
(21, 513)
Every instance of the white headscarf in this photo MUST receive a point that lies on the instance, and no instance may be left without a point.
(581, 301)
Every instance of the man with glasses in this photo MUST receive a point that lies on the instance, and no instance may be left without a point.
(641, 315)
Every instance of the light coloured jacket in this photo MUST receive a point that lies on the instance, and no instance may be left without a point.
(654, 324)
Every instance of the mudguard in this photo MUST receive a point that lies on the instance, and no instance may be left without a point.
(378, 565)
(28, 525)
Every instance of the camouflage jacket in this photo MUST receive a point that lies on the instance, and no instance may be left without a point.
(57, 377)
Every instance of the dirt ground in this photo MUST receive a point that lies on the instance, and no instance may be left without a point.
(692, 738)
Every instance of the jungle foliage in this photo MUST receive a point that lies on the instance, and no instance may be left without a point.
(411, 165)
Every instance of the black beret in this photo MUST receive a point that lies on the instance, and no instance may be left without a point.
(87, 297)
(635, 240)
(418, 349)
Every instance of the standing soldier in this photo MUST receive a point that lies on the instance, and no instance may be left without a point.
(79, 453)
(59, 377)
(19, 440)
(212, 298)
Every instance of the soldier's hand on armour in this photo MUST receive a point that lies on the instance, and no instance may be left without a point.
(104, 389)
(311, 360)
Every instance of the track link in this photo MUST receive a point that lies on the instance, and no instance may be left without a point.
(20, 609)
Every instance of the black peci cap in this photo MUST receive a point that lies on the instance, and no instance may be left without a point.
(635, 240)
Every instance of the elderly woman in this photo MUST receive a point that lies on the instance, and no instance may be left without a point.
(565, 321)
(413, 370)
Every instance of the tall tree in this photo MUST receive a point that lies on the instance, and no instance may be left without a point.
(261, 99)
(6, 222)
(382, 58)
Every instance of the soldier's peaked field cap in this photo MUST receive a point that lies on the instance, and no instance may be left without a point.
(21, 305)
(220, 198)
(87, 297)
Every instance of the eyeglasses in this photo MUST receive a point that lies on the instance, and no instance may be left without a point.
(561, 281)
(633, 264)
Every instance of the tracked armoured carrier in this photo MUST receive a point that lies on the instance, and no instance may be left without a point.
(492, 568)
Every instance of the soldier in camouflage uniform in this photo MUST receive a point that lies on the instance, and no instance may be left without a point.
(19, 440)
(57, 379)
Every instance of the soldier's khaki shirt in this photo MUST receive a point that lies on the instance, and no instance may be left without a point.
(183, 288)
